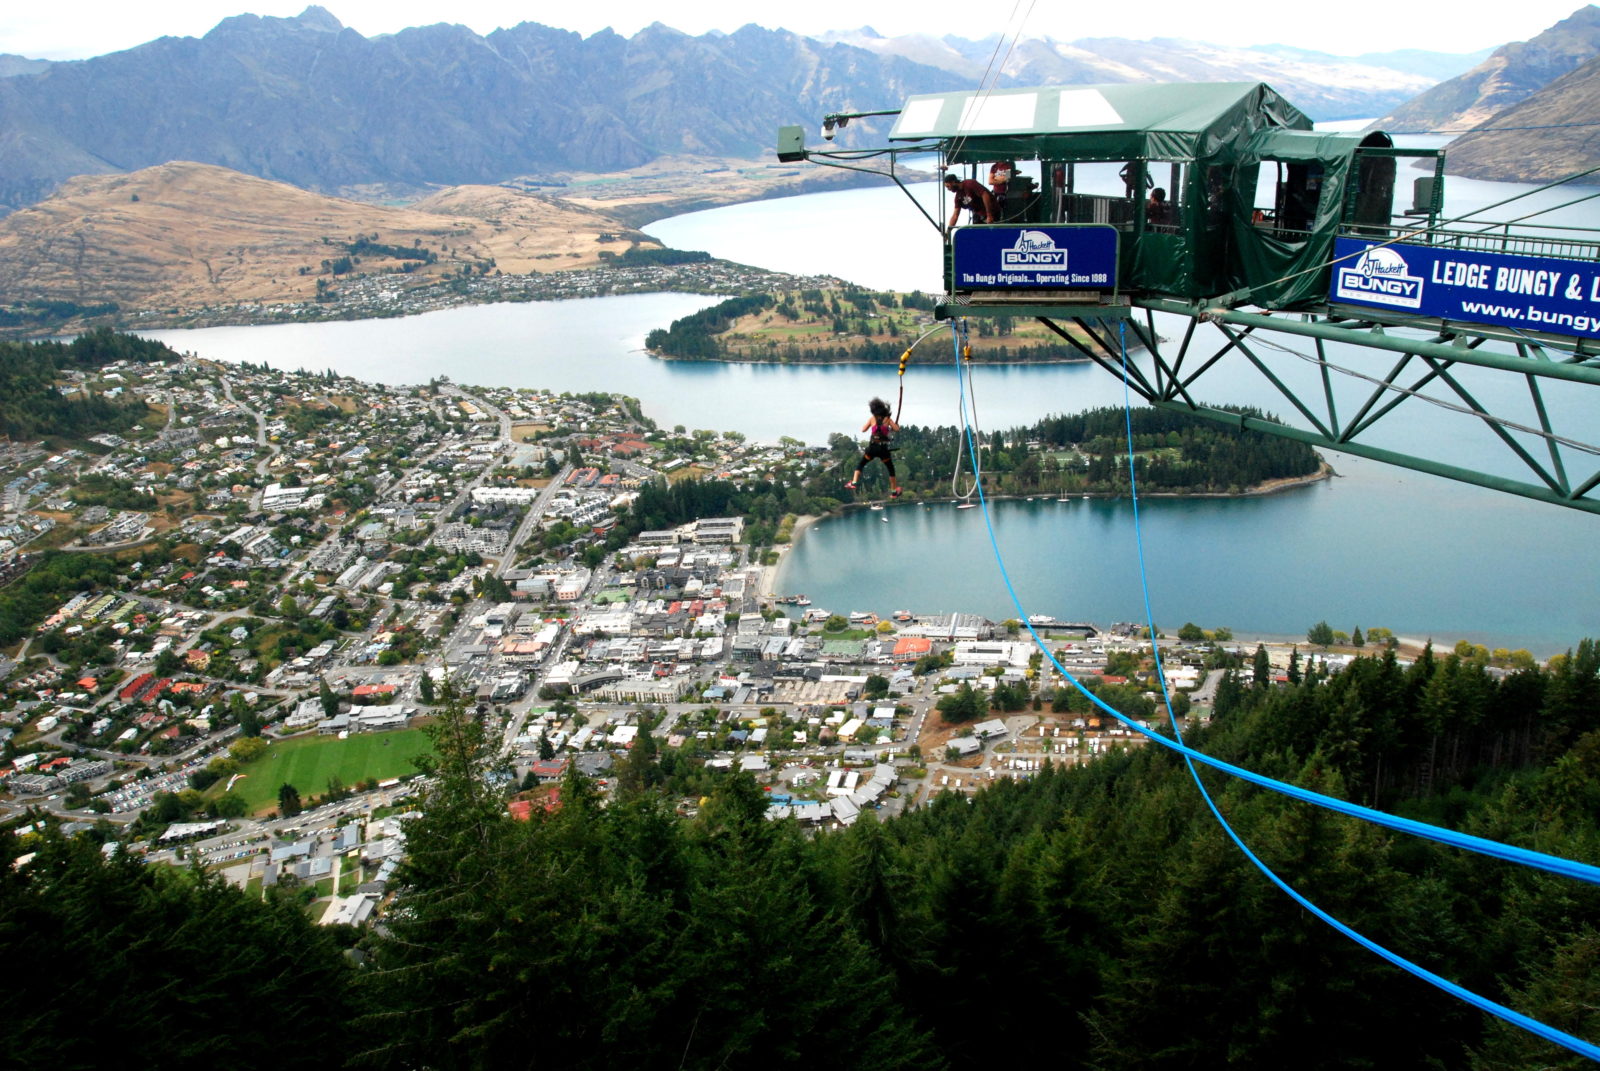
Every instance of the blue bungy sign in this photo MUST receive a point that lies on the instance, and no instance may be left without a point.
(1544, 294)
(1029, 257)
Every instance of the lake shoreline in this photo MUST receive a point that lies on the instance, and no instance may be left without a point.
(833, 361)
(1270, 566)
(767, 586)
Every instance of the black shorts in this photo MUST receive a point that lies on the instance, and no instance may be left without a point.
(879, 449)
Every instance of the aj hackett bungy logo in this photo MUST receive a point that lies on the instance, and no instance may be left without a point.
(1380, 276)
(1034, 250)
(1558, 295)
(1034, 257)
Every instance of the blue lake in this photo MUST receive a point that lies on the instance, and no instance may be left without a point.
(1378, 546)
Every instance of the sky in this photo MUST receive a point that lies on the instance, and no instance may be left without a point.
(75, 30)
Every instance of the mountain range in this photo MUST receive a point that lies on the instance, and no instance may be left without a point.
(1322, 85)
(1547, 136)
(1508, 76)
(307, 101)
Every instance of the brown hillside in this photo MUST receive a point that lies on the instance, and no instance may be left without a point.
(1549, 136)
(1510, 75)
(186, 235)
(525, 229)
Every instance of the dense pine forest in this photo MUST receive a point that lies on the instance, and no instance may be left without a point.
(30, 404)
(1087, 452)
(1094, 917)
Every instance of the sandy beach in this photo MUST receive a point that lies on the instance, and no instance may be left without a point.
(769, 573)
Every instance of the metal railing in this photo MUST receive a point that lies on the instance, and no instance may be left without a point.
(1498, 238)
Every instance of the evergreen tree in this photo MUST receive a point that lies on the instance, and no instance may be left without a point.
(1230, 695)
(964, 704)
(618, 934)
(154, 959)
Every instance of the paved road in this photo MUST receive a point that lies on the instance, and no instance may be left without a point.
(261, 432)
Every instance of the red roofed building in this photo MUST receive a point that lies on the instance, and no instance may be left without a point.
(134, 687)
(911, 648)
(546, 798)
(548, 769)
(372, 693)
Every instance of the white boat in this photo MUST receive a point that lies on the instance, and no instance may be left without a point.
(877, 508)
(966, 505)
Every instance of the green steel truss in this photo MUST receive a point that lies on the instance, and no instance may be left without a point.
(1339, 406)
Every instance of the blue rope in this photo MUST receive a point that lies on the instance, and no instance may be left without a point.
(1525, 857)
(1478, 1001)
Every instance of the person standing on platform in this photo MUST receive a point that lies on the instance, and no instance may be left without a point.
(973, 196)
(1000, 173)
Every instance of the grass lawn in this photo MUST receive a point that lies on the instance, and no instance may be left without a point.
(308, 762)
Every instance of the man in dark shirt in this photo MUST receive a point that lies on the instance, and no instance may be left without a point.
(1156, 210)
(973, 196)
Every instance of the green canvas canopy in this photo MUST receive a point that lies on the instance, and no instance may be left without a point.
(1105, 122)
(1323, 181)
(1206, 144)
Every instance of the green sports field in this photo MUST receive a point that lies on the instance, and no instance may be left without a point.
(308, 762)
